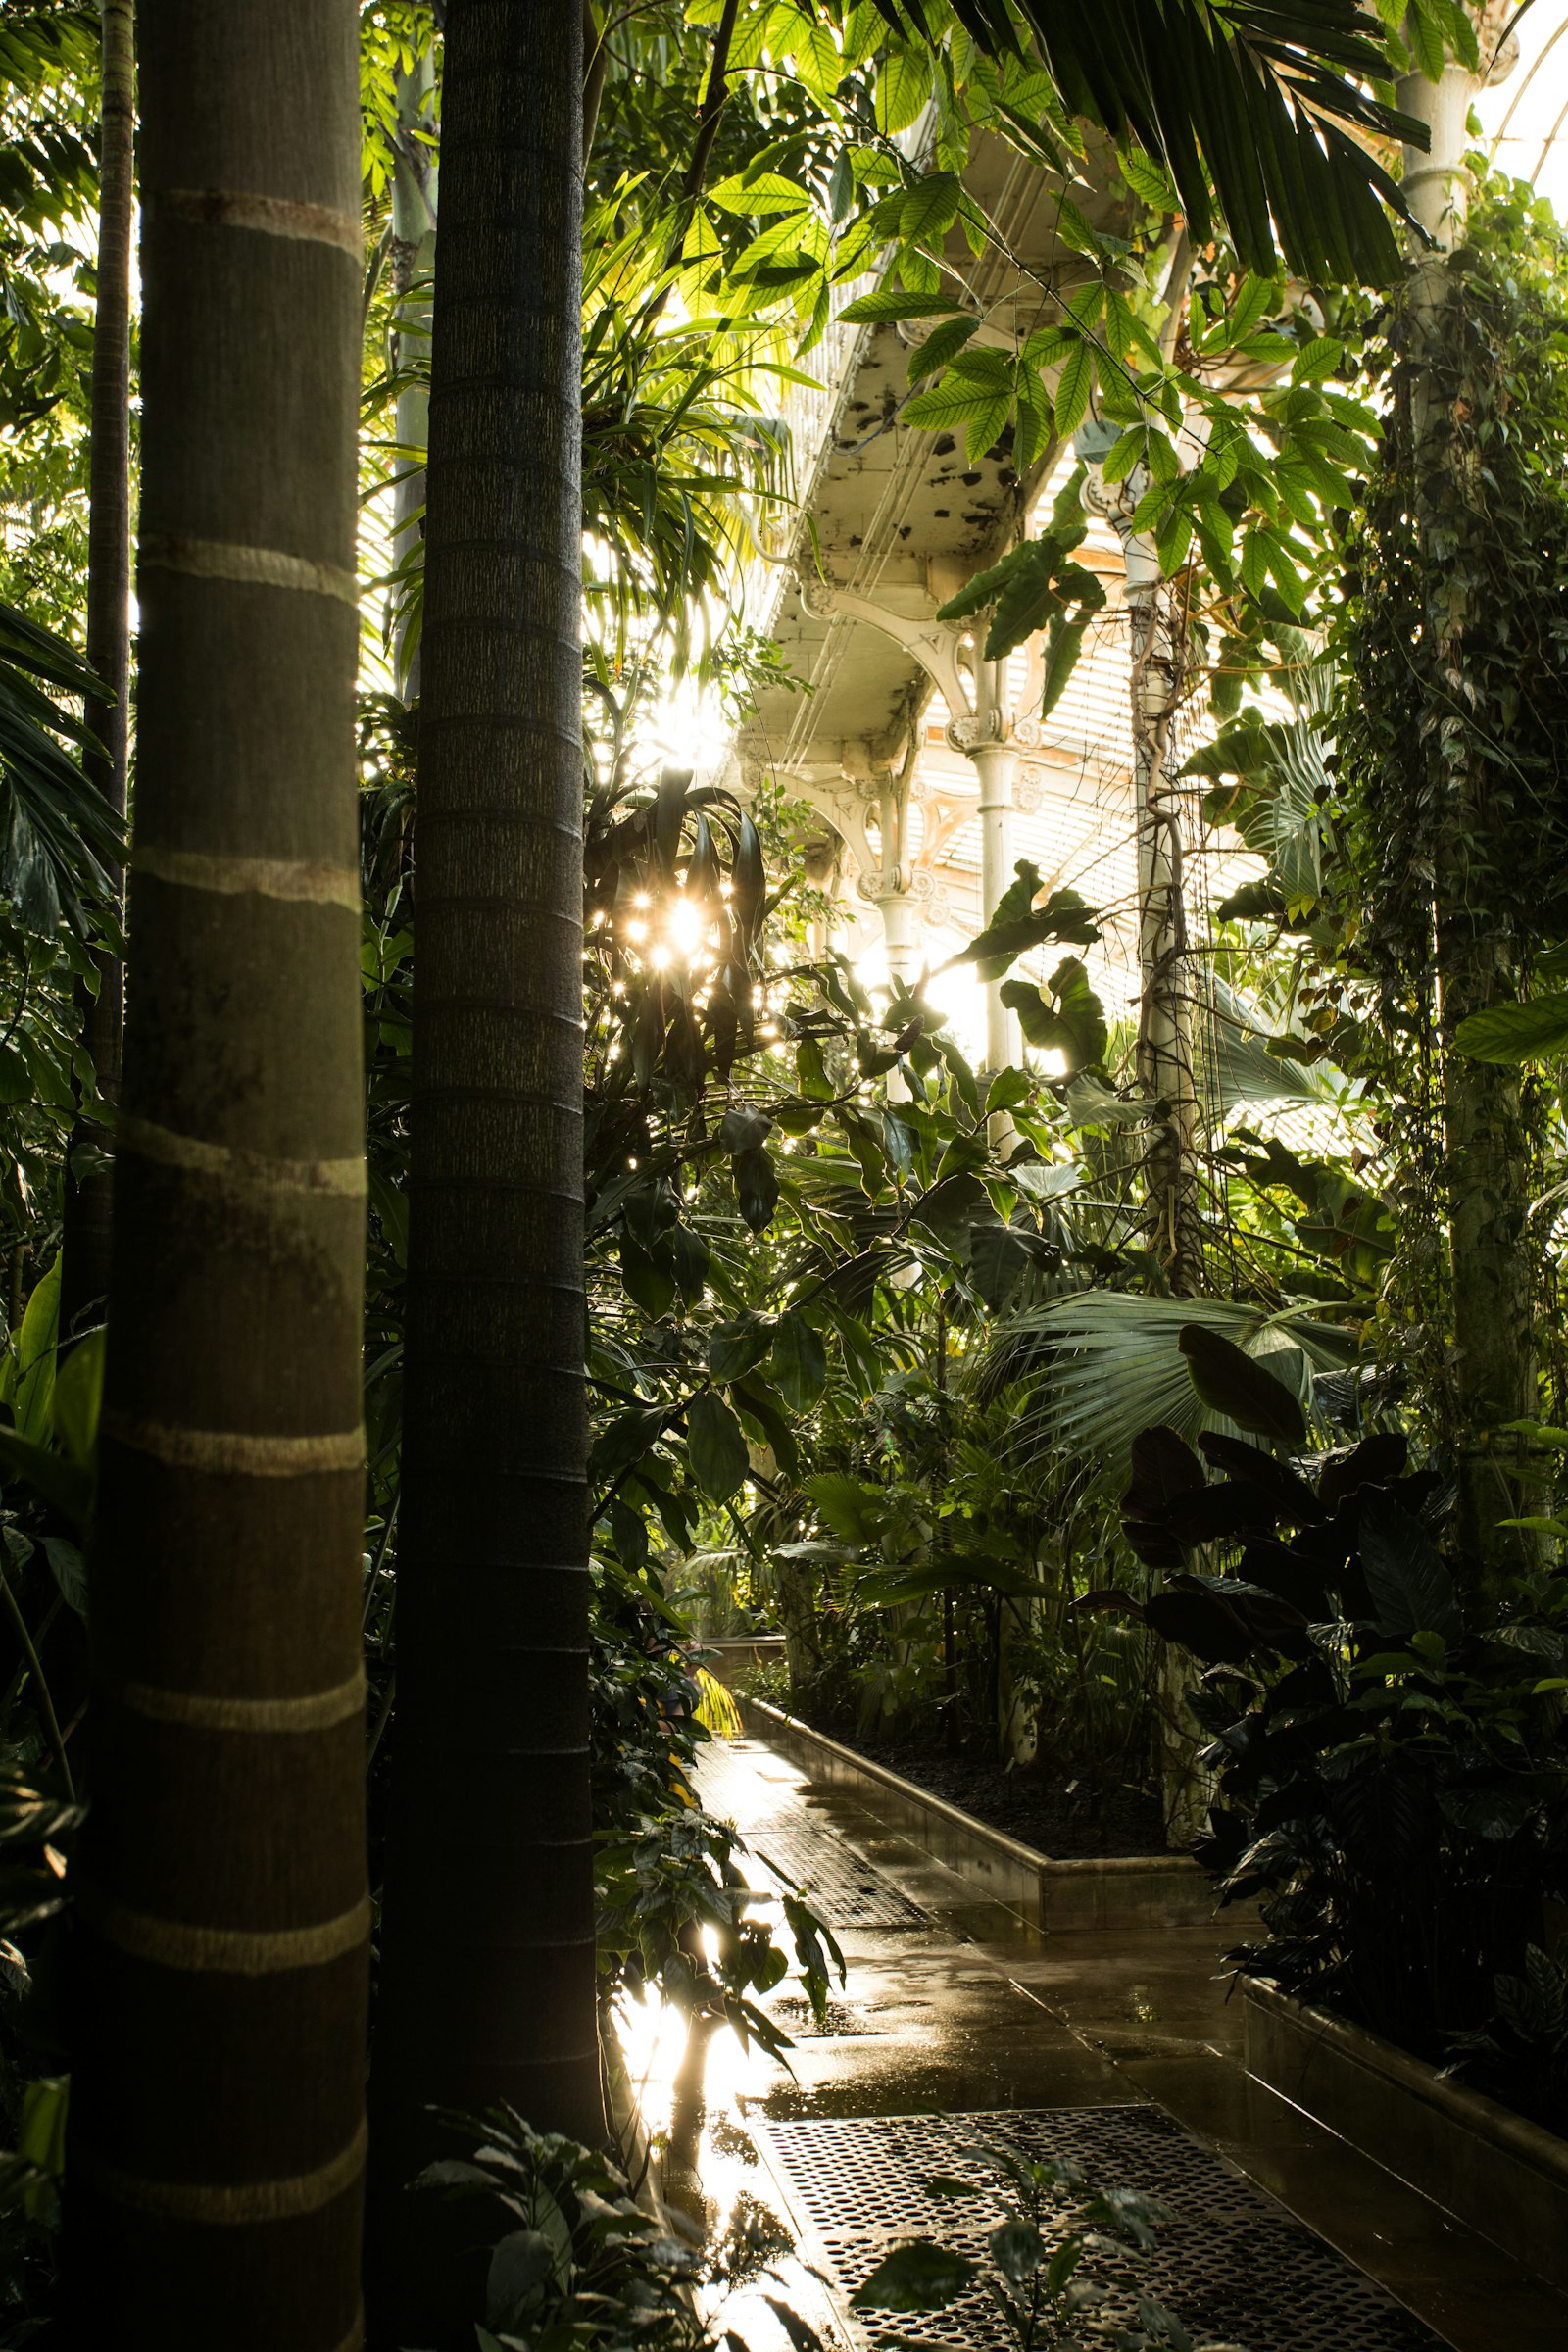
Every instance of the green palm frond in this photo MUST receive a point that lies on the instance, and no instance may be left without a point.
(1245, 1073)
(1257, 110)
(1261, 111)
(1101, 1365)
(58, 836)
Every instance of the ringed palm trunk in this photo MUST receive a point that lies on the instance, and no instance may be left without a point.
(84, 1263)
(216, 2140)
(487, 1986)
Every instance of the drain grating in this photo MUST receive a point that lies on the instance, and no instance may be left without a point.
(728, 1779)
(1232, 2265)
(847, 1891)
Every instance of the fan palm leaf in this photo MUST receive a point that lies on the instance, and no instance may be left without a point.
(1098, 1366)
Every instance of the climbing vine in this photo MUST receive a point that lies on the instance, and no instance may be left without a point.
(1451, 769)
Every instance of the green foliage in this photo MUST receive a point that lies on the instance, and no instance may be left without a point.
(1036, 588)
(1237, 1387)
(1102, 1365)
(1391, 1774)
(1535, 1031)
(1521, 2055)
(1065, 1017)
(1018, 924)
(580, 2266)
(1038, 2261)
(1460, 569)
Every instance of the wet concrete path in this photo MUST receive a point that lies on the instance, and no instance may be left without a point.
(956, 2004)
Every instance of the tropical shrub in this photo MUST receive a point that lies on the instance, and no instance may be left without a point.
(580, 2266)
(1035, 2269)
(1390, 1762)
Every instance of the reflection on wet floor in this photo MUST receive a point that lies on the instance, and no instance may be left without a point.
(965, 2006)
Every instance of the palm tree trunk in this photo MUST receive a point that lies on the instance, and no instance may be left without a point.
(84, 1263)
(487, 1986)
(217, 2138)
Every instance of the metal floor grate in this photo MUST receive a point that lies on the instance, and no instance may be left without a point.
(1231, 2265)
(847, 1889)
(728, 1779)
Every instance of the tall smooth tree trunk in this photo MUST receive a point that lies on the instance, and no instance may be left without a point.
(217, 2141)
(88, 1198)
(1174, 1218)
(1164, 1012)
(488, 1987)
(415, 201)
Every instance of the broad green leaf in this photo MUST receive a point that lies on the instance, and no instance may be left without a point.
(798, 1361)
(1317, 358)
(981, 432)
(1149, 180)
(625, 1440)
(919, 2276)
(36, 1357)
(1230, 1382)
(817, 61)
(844, 1504)
(756, 1187)
(1033, 430)
(715, 1445)
(64, 1484)
(903, 89)
(890, 303)
(1411, 1589)
(648, 1283)
(939, 346)
(1073, 389)
(1064, 916)
(1084, 304)
(78, 1399)
(1535, 1031)
(1073, 1025)
(929, 209)
(1257, 297)
(735, 1347)
(957, 400)
(770, 192)
(16, 1079)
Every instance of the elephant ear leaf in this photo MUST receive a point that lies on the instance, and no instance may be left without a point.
(1163, 1466)
(1411, 1589)
(1233, 1383)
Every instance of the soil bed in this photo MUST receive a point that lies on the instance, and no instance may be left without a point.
(1065, 1824)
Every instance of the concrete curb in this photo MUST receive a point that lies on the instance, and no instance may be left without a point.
(1118, 1892)
(1501, 2175)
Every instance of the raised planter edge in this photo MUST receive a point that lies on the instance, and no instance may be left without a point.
(1117, 1890)
(1501, 2175)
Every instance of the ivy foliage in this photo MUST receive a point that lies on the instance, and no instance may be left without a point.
(1452, 728)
